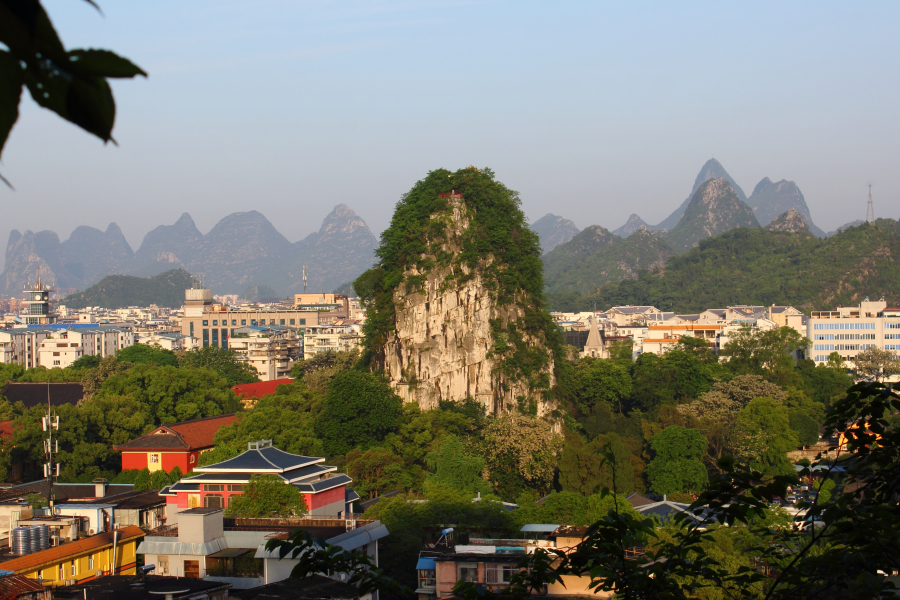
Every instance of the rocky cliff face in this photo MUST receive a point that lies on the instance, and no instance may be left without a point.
(166, 247)
(713, 169)
(633, 223)
(770, 200)
(553, 230)
(791, 221)
(90, 254)
(444, 346)
(714, 209)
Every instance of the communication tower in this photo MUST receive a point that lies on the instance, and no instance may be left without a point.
(304, 279)
(870, 213)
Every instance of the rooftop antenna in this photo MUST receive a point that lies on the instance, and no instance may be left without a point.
(304, 279)
(50, 422)
(870, 213)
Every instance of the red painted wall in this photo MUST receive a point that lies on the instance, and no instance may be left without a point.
(139, 460)
(324, 498)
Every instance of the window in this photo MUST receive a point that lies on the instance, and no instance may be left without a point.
(192, 329)
(215, 487)
(205, 338)
(252, 321)
(243, 321)
(215, 337)
(292, 321)
(213, 501)
(426, 578)
(281, 322)
(271, 321)
(91, 563)
(56, 354)
(224, 338)
(154, 458)
(62, 572)
(234, 322)
(468, 572)
(73, 570)
(162, 565)
(215, 322)
(303, 321)
(235, 487)
(205, 323)
(55, 363)
(193, 459)
(499, 573)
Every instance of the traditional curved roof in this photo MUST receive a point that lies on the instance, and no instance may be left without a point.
(261, 460)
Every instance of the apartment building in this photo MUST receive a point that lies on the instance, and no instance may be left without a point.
(848, 330)
(270, 349)
(213, 324)
(60, 345)
(340, 337)
(337, 306)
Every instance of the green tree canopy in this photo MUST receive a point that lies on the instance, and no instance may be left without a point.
(146, 354)
(520, 453)
(678, 462)
(376, 471)
(805, 427)
(286, 417)
(267, 495)
(452, 466)
(582, 469)
(221, 361)
(765, 437)
(359, 410)
(600, 381)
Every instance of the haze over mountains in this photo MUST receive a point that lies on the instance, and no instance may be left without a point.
(242, 250)
(768, 200)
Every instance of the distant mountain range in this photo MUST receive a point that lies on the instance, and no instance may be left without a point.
(767, 201)
(779, 264)
(553, 231)
(243, 250)
(715, 208)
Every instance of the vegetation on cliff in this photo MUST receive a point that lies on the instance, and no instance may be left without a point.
(497, 245)
(754, 266)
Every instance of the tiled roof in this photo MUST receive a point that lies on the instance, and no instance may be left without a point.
(6, 430)
(12, 586)
(187, 435)
(34, 394)
(70, 549)
(260, 389)
(261, 460)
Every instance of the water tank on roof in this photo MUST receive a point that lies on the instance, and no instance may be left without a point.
(21, 541)
(198, 294)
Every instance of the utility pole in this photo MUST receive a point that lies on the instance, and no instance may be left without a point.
(870, 213)
(49, 423)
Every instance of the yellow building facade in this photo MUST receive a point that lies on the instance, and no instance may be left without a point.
(109, 553)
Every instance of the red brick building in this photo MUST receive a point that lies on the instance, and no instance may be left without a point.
(176, 445)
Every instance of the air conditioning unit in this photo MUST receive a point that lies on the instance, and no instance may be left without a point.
(99, 573)
(91, 532)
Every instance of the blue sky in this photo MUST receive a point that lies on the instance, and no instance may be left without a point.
(592, 110)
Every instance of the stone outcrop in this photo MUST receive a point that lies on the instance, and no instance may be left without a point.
(633, 223)
(443, 346)
(714, 209)
(773, 199)
(791, 221)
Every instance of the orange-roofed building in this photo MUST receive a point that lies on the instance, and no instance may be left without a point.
(175, 445)
(81, 560)
(249, 393)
